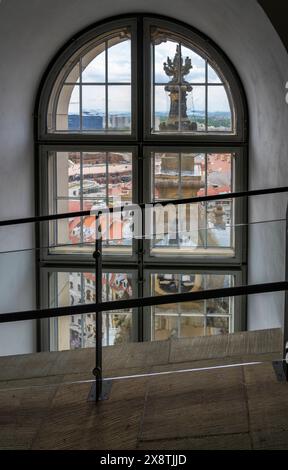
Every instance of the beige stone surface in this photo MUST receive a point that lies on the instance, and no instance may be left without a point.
(43, 397)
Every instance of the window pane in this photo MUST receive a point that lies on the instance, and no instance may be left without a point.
(219, 113)
(67, 231)
(189, 319)
(166, 176)
(93, 65)
(219, 232)
(162, 52)
(217, 326)
(180, 105)
(192, 326)
(85, 106)
(197, 72)
(89, 181)
(119, 107)
(161, 108)
(95, 175)
(219, 173)
(199, 228)
(76, 288)
(93, 107)
(213, 76)
(222, 306)
(119, 61)
(68, 174)
(119, 178)
(165, 326)
(192, 174)
(68, 109)
(196, 108)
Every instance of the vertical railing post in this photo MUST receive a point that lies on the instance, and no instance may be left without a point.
(97, 392)
(285, 330)
(98, 291)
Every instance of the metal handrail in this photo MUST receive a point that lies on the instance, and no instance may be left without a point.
(97, 392)
(177, 202)
(143, 302)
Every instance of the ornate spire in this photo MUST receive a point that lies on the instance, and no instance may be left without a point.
(178, 89)
(176, 69)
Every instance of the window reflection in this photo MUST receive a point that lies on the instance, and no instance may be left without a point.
(189, 319)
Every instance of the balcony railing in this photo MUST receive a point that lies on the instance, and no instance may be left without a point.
(99, 390)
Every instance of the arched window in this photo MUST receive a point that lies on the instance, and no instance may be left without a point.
(141, 109)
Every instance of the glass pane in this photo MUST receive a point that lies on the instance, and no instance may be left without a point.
(166, 176)
(85, 106)
(192, 174)
(192, 326)
(191, 228)
(219, 281)
(119, 178)
(117, 325)
(219, 113)
(195, 65)
(217, 326)
(163, 53)
(119, 107)
(195, 318)
(213, 77)
(95, 175)
(161, 108)
(219, 173)
(68, 109)
(119, 61)
(89, 181)
(78, 331)
(196, 108)
(219, 217)
(68, 174)
(165, 326)
(68, 231)
(93, 107)
(192, 283)
(93, 65)
(181, 103)
(117, 328)
(177, 175)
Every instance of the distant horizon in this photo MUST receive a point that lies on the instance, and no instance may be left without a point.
(160, 113)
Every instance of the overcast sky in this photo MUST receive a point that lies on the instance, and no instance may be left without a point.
(119, 70)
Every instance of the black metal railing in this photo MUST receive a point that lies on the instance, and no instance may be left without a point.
(98, 392)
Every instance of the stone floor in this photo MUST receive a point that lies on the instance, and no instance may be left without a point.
(229, 408)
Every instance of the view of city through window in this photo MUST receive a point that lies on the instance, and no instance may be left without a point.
(175, 320)
(94, 180)
(91, 181)
(188, 93)
(76, 288)
(188, 97)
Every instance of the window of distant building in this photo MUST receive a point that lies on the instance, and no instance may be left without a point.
(141, 109)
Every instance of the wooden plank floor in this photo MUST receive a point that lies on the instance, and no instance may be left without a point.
(233, 408)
